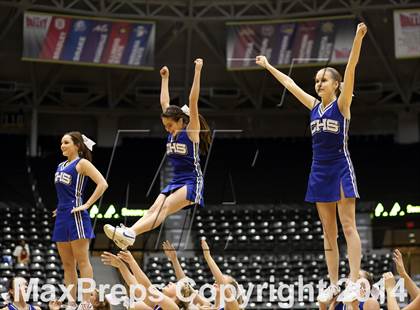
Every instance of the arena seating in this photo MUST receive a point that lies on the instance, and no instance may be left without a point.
(34, 225)
(261, 229)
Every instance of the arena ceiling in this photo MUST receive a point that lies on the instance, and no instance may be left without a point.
(190, 29)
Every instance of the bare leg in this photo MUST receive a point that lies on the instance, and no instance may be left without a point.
(347, 213)
(327, 214)
(172, 204)
(81, 253)
(69, 265)
(151, 212)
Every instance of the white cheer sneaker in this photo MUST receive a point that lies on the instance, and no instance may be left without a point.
(327, 295)
(122, 236)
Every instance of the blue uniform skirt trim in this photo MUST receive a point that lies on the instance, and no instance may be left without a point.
(72, 226)
(327, 177)
(195, 189)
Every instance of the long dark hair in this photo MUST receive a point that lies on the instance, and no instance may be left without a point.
(175, 113)
(77, 139)
(336, 76)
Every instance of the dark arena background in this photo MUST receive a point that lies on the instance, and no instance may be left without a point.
(255, 220)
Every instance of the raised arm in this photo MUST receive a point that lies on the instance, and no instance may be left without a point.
(86, 168)
(412, 288)
(389, 289)
(390, 297)
(164, 88)
(193, 128)
(110, 259)
(306, 99)
(170, 253)
(140, 276)
(218, 275)
(345, 98)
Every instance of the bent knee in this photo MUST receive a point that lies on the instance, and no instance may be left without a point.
(156, 207)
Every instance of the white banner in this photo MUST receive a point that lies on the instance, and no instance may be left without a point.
(407, 33)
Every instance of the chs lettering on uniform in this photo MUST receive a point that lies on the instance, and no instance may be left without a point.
(176, 148)
(62, 177)
(326, 125)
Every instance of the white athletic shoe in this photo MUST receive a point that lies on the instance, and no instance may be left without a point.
(327, 295)
(350, 293)
(122, 236)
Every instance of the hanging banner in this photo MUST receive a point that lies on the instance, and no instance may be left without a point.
(305, 41)
(88, 41)
(407, 33)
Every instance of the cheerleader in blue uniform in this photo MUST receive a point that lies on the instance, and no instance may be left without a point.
(332, 180)
(17, 289)
(72, 228)
(189, 135)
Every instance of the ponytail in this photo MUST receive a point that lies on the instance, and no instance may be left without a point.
(205, 135)
(77, 139)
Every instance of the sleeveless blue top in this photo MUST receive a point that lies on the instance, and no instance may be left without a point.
(329, 131)
(69, 184)
(184, 156)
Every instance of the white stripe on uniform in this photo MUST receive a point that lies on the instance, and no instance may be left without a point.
(78, 215)
(77, 204)
(199, 179)
(347, 154)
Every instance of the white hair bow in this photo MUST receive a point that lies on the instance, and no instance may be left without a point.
(88, 142)
(185, 109)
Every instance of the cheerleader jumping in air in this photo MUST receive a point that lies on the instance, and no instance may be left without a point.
(332, 180)
(188, 135)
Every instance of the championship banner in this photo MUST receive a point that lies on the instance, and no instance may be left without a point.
(407, 33)
(314, 41)
(88, 41)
